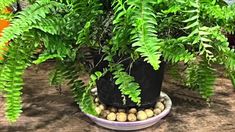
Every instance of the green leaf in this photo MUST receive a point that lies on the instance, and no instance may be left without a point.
(191, 19)
(44, 57)
(192, 25)
(144, 35)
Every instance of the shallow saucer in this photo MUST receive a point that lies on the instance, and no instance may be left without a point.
(115, 125)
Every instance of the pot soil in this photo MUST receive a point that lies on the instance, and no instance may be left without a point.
(150, 82)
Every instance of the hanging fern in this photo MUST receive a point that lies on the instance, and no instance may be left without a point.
(174, 51)
(126, 83)
(88, 11)
(122, 26)
(217, 12)
(226, 55)
(81, 92)
(58, 46)
(199, 32)
(144, 32)
(51, 24)
(56, 77)
(6, 3)
(87, 105)
(18, 59)
(201, 77)
(27, 18)
(189, 31)
(71, 72)
(176, 72)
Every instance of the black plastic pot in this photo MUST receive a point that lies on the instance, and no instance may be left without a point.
(150, 82)
(231, 40)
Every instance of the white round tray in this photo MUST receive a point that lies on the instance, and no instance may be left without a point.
(115, 125)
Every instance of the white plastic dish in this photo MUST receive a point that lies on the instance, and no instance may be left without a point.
(136, 125)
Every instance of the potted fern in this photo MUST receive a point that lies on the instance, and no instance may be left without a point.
(121, 34)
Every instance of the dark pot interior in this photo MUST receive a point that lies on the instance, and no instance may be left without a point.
(150, 82)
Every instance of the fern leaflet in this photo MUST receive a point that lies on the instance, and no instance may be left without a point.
(127, 84)
(144, 32)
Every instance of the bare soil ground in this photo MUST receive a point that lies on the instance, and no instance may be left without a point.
(45, 110)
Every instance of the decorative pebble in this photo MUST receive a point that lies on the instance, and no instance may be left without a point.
(102, 107)
(94, 90)
(157, 111)
(131, 117)
(97, 100)
(105, 113)
(98, 110)
(162, 100)
(97, 104)
(111, 116)
(122, 117)
(132, 114)
(133, 110)
(112, 109)
(160, 106)
(149, 113)
(121, 110)
(141, 115)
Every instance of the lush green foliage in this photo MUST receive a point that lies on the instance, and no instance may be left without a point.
(70, 71)
(200, 76)
(11, 81)
(5, 3)
(189, 31)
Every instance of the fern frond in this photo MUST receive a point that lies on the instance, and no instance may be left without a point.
(144, 32)
(174, 51)
(87, 104)
(56, 77)
(51, 24)
(59, 46)
(27, 18)
(46, 56)
(122, 26)
(126, 84)
(175, 71)
(6, 16)
(84, 34)
(226, 55)
(89, 11)
(199, 33)
(201, 77)
(71, 72)
(6, 3)
(219, 13)
(17, 60)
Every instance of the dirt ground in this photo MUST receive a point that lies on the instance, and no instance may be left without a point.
(45, 110)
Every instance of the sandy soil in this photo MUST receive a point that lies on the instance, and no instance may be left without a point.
(46, 110)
